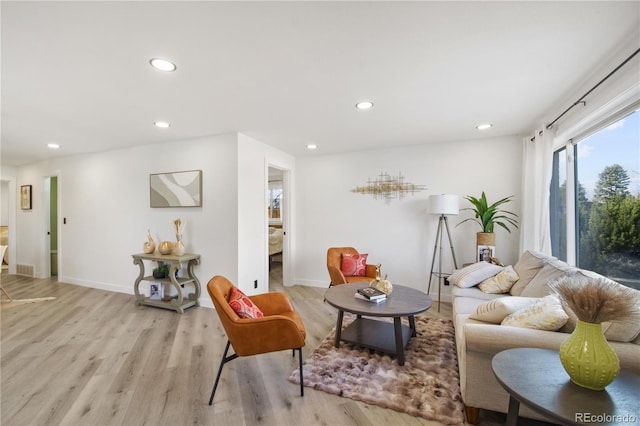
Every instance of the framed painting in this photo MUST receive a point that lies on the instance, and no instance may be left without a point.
(176, 189)
(25, 197)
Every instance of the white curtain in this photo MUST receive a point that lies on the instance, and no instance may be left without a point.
(537, 162)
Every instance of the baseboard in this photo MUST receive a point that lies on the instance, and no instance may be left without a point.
(205, 302)
(312, 283)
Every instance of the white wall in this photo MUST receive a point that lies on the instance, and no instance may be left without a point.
(105, 200)
(254, 158)
(400, 235)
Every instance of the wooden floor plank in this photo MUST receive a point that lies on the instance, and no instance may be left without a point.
(92, 357)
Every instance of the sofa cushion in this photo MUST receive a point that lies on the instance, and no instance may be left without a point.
(474, 292)
(466, 305)
(544, 314)
(494, 311)
(501, 283)
(551, 271)
(354, 265)
(527, 267)
(474, 274)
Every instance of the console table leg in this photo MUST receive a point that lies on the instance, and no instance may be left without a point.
(512, 415)
(136, 285)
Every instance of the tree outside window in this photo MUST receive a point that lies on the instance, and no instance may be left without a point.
(607, 202)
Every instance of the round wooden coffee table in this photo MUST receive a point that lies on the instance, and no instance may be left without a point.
(382, 336)
(536, 378)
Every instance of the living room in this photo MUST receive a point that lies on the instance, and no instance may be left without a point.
(103, 208)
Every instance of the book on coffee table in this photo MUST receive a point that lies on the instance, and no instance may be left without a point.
(378, 300)
(372, 293)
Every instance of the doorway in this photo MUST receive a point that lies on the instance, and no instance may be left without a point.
(277, 219)
(51, 221)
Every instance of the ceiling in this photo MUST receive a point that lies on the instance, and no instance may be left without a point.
(290, 73)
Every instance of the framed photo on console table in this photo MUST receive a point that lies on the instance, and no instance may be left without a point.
(486, 253)
(25, 197)
(176, 189)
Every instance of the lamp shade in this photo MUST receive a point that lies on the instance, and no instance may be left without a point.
(444, 204)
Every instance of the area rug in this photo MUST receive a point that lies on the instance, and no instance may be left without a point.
(428, 385)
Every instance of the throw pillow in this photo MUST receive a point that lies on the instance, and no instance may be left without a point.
(545, 314)
(474, 274)
(494, 311)
(527, 267)
(354, 265)
(501, 283)
(551, 271)
(242, 305)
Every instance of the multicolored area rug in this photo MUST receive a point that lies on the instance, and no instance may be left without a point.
(428, 385)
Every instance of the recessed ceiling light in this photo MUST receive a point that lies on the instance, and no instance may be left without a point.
(162, 124)
(53, 145)
(484, 126)
(312, 146)
(364, 105)
(162, 64)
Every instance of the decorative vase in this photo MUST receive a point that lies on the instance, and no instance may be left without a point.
(165, 247)
(150, 246)
(178, 248)
(385, 286)
(588, 358)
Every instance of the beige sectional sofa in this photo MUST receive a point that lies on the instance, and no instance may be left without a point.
(478, 341)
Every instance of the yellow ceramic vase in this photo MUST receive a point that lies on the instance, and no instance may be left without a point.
(588, 358)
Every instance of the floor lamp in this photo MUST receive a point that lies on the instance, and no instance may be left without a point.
(442, 205)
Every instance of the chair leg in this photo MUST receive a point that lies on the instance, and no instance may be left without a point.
(224, 360)
(301, 377)
(5, 292)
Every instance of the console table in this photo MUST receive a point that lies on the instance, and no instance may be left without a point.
(175, 262)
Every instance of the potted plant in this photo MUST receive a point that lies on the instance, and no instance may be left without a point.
(161, 271)
(488, 216)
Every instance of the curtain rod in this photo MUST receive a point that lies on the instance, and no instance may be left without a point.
(581, 100)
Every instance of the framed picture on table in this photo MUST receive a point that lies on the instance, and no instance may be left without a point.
(486, 253)
(25, 197)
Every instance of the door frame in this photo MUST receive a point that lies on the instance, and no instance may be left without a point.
(285, 212)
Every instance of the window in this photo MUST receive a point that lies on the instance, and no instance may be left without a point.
(595, 202)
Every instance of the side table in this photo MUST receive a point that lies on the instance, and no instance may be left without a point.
(175, 262)
(536, 378)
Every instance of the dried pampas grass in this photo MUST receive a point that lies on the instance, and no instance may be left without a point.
(597, 300)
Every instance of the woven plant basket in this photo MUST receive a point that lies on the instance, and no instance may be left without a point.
(486, 239)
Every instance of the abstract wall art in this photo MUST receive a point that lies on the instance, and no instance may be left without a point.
(176, 189)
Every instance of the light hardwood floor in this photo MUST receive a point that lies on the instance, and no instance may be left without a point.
(93, 357)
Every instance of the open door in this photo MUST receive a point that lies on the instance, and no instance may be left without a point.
(277, 211)
(51, 225)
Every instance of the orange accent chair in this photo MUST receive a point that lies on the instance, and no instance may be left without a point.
(281, 328)
(334, 263)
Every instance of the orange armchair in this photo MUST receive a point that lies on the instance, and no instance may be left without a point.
(334, 263)
(281, 328)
